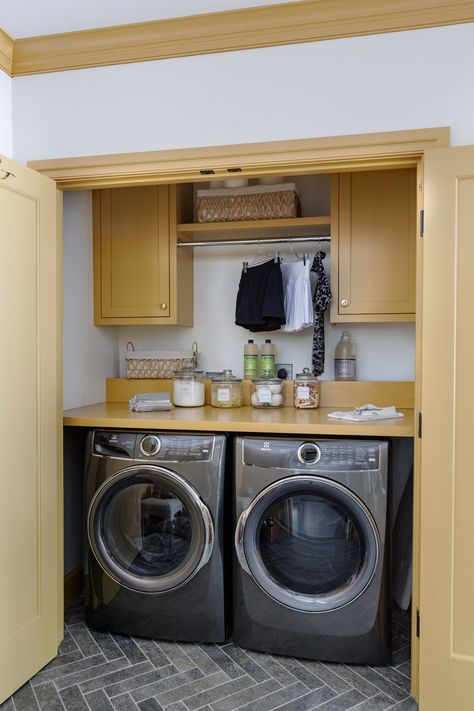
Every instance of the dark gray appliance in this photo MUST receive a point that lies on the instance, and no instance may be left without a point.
(310, 569)
(154, 525)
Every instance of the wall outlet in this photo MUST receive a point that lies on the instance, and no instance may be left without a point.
(288, 367)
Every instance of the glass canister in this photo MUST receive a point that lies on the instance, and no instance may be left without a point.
(306, 390)
(188, 387)
(226, 390)
(267, 393)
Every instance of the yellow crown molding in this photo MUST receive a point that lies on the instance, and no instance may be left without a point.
(289, 23)
(6, 52)
(291, 157)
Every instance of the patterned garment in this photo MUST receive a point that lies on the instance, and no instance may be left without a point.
(321, 298)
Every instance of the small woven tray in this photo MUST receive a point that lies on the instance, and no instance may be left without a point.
(158, 364)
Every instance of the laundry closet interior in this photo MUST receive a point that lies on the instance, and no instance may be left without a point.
(363, 215)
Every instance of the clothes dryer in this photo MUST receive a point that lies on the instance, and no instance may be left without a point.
(310, 569)
(154, 528)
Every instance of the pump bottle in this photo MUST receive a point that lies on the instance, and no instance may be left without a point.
(345, 358)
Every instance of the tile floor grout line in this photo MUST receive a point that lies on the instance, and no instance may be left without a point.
(275, 658)
(245, 651)
(62, 666)
(267, 672)
(197, 692)
(114, 696)
(331, 671)
(353, 669)
(389, 680)
(234, 662)
(57, 693)
(263, 697)
(78, 683)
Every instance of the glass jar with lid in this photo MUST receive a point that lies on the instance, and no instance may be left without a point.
(226, 390)
(267, 392)
(188, 387)
(306, 390)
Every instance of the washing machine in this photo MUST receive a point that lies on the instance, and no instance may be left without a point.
(154, 534)
(311, 573)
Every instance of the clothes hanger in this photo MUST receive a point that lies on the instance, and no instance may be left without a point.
(260, 258)
(294, 253)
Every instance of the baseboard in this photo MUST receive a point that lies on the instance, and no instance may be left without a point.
(73, 585)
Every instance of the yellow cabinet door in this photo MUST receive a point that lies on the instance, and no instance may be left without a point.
(447, 399)
(31, 597)
(133, 230)
(139, 277)
(373, 246)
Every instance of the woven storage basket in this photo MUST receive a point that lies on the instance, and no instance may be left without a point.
(258, 202)
(158, 364)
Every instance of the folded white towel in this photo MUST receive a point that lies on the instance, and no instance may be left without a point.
(368, 413)
(149, 402)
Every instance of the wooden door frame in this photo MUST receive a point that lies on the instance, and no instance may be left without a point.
(365, 151)
(393, 149)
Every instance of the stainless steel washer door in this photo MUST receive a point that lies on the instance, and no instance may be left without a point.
(309, 543)
(149, 529)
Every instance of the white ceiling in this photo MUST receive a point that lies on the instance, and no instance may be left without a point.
(29, 18)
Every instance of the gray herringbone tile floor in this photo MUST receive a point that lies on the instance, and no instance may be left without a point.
(95, 671)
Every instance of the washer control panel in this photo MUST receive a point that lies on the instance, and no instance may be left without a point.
(329, 455)
(153, 446)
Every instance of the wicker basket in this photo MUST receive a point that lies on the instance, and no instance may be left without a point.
(258, 202)
(158, 364)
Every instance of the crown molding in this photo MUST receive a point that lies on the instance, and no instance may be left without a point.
(290, 157)
(6, 52)
(265, 26)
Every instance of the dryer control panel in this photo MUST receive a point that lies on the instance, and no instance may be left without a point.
(153, 446)
(309, 454)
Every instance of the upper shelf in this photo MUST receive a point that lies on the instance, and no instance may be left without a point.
(289, 227)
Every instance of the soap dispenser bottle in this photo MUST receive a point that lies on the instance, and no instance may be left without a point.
(345, 358)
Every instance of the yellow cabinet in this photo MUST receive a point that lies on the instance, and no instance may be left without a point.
(140, 275)
(373, 230)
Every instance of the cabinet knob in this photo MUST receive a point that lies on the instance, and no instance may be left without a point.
(163, 306)
(344, 302)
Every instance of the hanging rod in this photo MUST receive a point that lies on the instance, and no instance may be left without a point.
(256, 242)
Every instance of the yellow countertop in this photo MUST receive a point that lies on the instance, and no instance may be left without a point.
(282, 421)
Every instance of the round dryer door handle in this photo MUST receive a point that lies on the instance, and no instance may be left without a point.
(239, 541)
(209, 527)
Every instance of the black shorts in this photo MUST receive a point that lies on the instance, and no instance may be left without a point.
(260, 303)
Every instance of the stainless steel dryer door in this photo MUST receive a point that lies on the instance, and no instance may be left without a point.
(149, 529)
(309, 543)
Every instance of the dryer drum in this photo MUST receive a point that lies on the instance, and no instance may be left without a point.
(309, 542)
(149, 529)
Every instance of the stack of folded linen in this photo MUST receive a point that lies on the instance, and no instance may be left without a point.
(148, 402)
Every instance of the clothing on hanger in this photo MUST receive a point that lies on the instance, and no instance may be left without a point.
(298, 300)
(321, 298)
(260, 303)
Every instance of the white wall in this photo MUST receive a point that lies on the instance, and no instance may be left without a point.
(392, 81)
(90, 353)
(5, 115)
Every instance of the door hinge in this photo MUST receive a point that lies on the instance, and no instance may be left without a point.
(420, 425)
(417, 622)
(422, 223)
